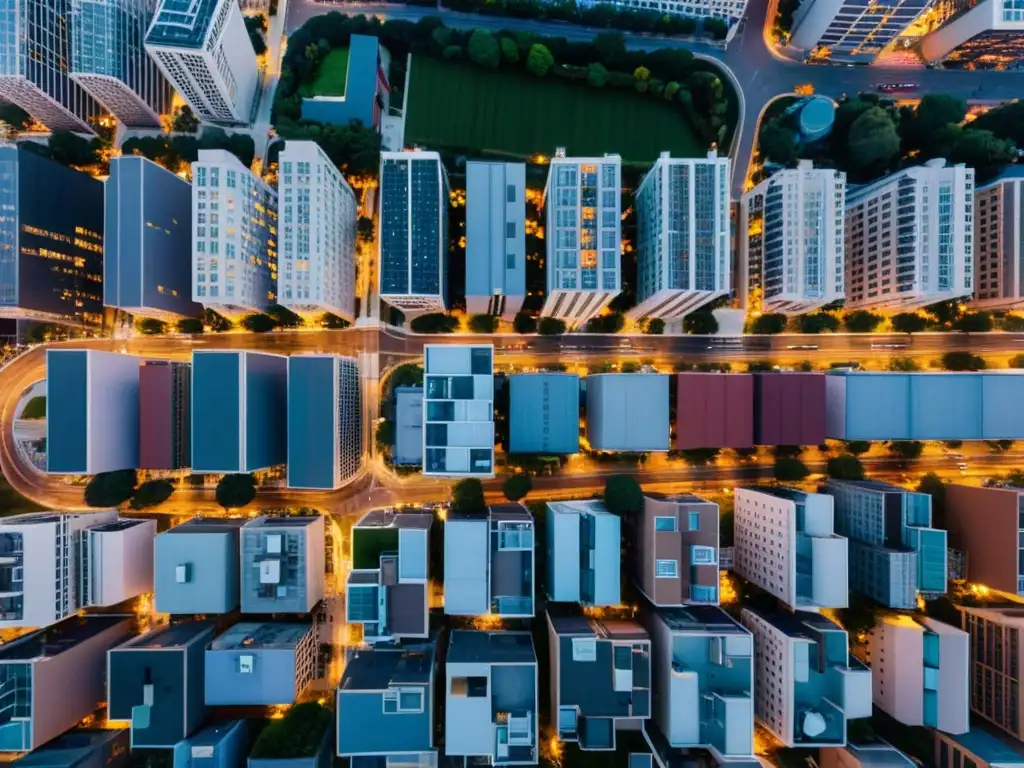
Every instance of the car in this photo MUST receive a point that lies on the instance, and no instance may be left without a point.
(888, 346)
(897, 87)
(802, 346)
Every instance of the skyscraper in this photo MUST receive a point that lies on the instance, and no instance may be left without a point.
(203, 48)
(316, 267)
(791, 239)
(35, 48)
(109, 60)
(495, 238)
(683, 258)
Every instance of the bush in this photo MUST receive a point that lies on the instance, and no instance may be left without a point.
(190, 325)
(111, 489)
(516, 487)
(845, 467)
(817, 322)
(906, 449)
(716, 29)
(790, 470)
(524, 323)
(434, 322)
(613, 322)
(34, 408)
(234, 491)
(539, 61)
(484, 49)
(509, 50)
(217, 322)
(769, 324)
(623, 495)
(452, 52)
(597, 75)
(1012, 323)
(655, 327)
(333, 322)
(908, 322)
(483, 323)
(551, 326)
(258, 323)
(284, 317)
(862, 321)
(974, 322)
(1017, 361)
(962, 361)
(468, 496)
(150, 326)
(151, 493)
(700, 323)
(857, 447)
(905, 364)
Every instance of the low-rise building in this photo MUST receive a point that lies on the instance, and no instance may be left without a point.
(919, 672)
(53, 678)
(996, 660)
(628, 412)
(807, 685)
(715, 410)
(489, 562)
(385, 704)
(677, 550)
(277, 748)
(221, 745)
(165, 414)
(282, 564)
(495, 238)
(600, 678)
(367, 90)
(155, 682)
(789, 408)
(544, 413)
(870, 755)
(387, 590)
(491, 697)
(583, 556)
(260, 664)
(408, 448)
(458, 412)
(980, 747)
(196, 567)
(703, 684)
(81, 748)
(985, 524)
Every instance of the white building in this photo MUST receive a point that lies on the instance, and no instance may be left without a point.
(583, 232)
(784, 541)
(806, 683)
(791, 239)
(999, 242)
(203, 49)
(234, 240)
(495, 238)
(683, 239)
(989, 35)
(910, 238)
(53, 564)
(920, 672)
(317, 218)
(849, 30)
(458, 410)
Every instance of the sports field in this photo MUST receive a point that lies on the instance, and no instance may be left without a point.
(330, 77)
(461, 105)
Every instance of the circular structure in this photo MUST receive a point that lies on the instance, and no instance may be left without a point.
(816, 118)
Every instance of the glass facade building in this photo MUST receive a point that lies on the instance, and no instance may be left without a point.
(852, 30)
(984, 35)
(109, 60)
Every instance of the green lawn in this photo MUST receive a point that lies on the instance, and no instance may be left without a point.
(368, 544)
(330, 78)
(35, 408)
(460, 105)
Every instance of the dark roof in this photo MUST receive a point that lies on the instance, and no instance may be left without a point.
(797, 624)
(476, 646)
(374, 669)
(73, 748)
(407, 608)
(171, 636)
(59, 637)
(210, 525)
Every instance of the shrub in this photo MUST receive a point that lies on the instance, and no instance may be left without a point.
(818, 322)
(906, 449)
(516, 487)
(111, 489)
(234, 491)
(845, 467)
(623, 495)
(539, 61)
(857, 447)
(258, 323)
(524, 323)
(509, 50)
(551, 326)
(908, 322)
(190, 325)
(484, 49)
(483, 323)
(1012, 323)
(151, 493)
(962, 361)
(597, 75)
(974, 322)
(700, 323)
(655, 327)
(862, 321)
(150, 326)
(769, 324)
(434, 322)
(790, 470)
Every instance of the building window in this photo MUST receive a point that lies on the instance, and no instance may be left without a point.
(694, 523)
(510, 229)
(584, 649)
(510, 261)
(666, 569)
(402, 701)
(246, 662)
(665, 524)
(510, 193)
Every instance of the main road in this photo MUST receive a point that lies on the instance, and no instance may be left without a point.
(759, 72)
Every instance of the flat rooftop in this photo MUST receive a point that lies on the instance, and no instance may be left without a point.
(181, 23)
(796, 625)
(117, 525)
(282, 522)
(261, 635)
(396, 518)
(602, 629)
(374, 669)
(209, 525)
(171, 636)
(57, 638)
(992, 748)
(472, 646)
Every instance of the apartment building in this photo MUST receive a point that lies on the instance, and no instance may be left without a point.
(495, 238)
(987, 525)
(677, 550)
(196, 567)
(987, 35)
(165, 391)
(544, 413)
(583, 557)
(282, 564)
(458, 413)
(260, 664)
(995, 666)
(998, 239)
(628, 412)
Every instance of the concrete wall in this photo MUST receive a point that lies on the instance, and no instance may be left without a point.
(984, 523)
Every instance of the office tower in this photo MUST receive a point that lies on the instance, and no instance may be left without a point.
(987, 35)
(412, 237)
(996, 665)
(583, 556)
(234, 240)
(325, 430)
(895, 554)
(999, 243)
(683, 238)
(785, 542)
(807, 685)
(987, 525)
(317, 222)
(583, 233)
(34, 65)
(846, 30)
(203, 49)
(282, 564)
(677, 550)
(165, 390)
(910, 238)
(92, 411)
(147, 270)
(495, 238)
(919, 672)
(51, 241)
(791, 239)
(458, 413)
(109, 60)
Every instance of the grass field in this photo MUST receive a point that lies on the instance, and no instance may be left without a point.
(35, 408)
(460, 105)
(330, 78)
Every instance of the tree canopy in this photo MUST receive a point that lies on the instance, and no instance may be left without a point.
(517, 486)
(769, 323)
(483, 323)
(845, 467)
(111, 489)
(151, 493)
(434, 322)
(623, 495)
(235, 491)
(790, 470)
(908, 322)
(468, 496)
(701, 322)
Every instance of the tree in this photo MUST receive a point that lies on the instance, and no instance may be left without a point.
(962, 361)
(981, 150)
(787, 451)
(434, 322)
(72, 150)
(254, 26)
(873, 141)
(845, 467)
(933, 485)
(857, 447)
(906, 449)
(384, 436)
(716, 29)
(700, 323)
(974, 322)
(483, 323)
(509, 50)
(185, 120)
(189, 325)
(484, 49)
(777, 143)
(908, 322)
(862, 321)
(903, 364)
(151, 493)
(623, 495)
(333, 322)
(671, 89)
(442, 36)
(539, 61)
(769, 324)
(944, 312)
(1006, 122)
(468, 496)
(817, 322)
(860, 617)
(217, 322)
(1012, 323)
(551, 326)
(613, 322)
(284, 317)
(34, 408)
(235, 491)
(597, 75)
(642, 73)
(452, 52)
(655, 326)
(934, 112)
(14, 116)
(699, 457)
(150, 326)
(789, 470)
(517, 486)
(258, 323)
(364, 230)
(523, 323)
(1017, 361)
(111, 489)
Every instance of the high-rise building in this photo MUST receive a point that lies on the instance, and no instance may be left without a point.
(910, 238)
(987, 35)
(109, 60)
(848, 30)
(148, 225)
(996, 663)
(34, 72)
(458, 412)
(317, 233)
(234, 235)
(987, 525)
(683, 238)
(165, 391)
(495, 238)
(51, 240)
(895, 554)
(412, 237)
(203, 49)
(791, 239)
(583, 233)
(785, 543)
(999, 242)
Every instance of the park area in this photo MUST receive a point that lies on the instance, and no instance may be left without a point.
(330, 78)
(461, 106)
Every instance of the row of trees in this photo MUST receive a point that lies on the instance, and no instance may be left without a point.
(177, 153)
(112, 489)
(622, 493)
(275, 316)
(944, 316)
